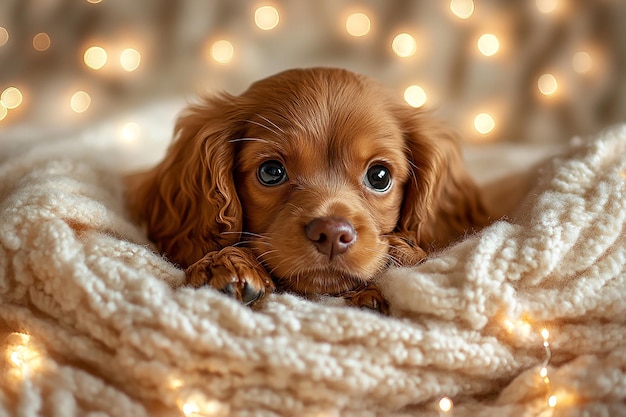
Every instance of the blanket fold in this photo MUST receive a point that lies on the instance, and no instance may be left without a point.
(94, 322)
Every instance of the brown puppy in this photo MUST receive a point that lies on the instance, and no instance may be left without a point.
(314, 180)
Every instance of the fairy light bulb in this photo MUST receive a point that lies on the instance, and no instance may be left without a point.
(11, 98)
(547, 84)
(80, 101)
(222, 51)
(41, 42)
(4, 36)
(197, 405)
(130, 59)
(95, 57)
(404, 45)
(358, 24)
(446, 405)
(463, 9)
(266, 17)
(22, 355)
(484, 123)
(415, 96)
(552, 401)
(488, 44)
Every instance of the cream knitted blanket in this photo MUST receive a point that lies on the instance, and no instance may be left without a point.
(92, 322)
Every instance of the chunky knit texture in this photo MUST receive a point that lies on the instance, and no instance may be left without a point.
(116, 333)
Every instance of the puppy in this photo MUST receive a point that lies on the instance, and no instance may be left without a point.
(313, 180)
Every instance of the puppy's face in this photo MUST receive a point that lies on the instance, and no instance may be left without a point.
(320, 176)
(323, 174)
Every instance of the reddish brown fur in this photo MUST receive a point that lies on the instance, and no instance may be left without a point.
(327, 126)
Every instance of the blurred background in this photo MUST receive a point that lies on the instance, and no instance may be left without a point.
(532, 71)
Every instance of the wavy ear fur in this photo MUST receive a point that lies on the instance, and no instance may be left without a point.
(189, 200)
(441, 201)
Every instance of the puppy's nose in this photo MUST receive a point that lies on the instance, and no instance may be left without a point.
(331, 235)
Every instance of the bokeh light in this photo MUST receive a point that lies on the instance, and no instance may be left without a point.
(266, 17)
(552, 401)
(94, 1)
(445, 404)
(488, 44)
(4, 36)
(222, 51)
(130, 132)
(484, 123)
(11, 98)
(463, 9)
(80, 101)
(546, 6)
(41, 42)
(95, 57)
(415, 96)
(358, 24)
(404, 45)
(130, 59)
(547, 84)
(3, 111)
(581, 62)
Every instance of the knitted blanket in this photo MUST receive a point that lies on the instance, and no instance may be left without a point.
(526, 318)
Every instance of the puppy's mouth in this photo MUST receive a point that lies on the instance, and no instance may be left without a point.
(322, 281)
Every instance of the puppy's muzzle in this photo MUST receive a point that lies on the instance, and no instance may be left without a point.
(331, 235)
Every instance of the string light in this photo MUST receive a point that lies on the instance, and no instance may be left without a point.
(130, 59)
(484, 123)
(358, 24)
(463, 9)
(222, 51)
(80, 101)
(404, 45)
(415, 96)
(446, 405)
(488, 44)
(22, 355)
(11, 98)
(581, 62)
(95, 57)
(41, 42)
(197, 405)
(546, 6)
(266, 17)
(547, 84)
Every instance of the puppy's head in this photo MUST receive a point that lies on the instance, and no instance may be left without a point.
(313, 169)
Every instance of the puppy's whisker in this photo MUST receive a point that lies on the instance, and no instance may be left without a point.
(248, 140)
(263, 126)
(270, 122)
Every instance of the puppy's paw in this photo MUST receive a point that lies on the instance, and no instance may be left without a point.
(234, 271)
(367, 297)
(404, 251)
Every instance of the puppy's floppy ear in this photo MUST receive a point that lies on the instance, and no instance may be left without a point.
(441, 201)
(189, 199)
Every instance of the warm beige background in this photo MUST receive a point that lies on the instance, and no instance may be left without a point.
(173, 38)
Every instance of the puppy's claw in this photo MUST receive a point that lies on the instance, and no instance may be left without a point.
(233, 272)
(368, 297)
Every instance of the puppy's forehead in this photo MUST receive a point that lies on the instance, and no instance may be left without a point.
(336, 115)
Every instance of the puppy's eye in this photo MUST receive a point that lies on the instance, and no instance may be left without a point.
(378, 178)
(271, 173)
